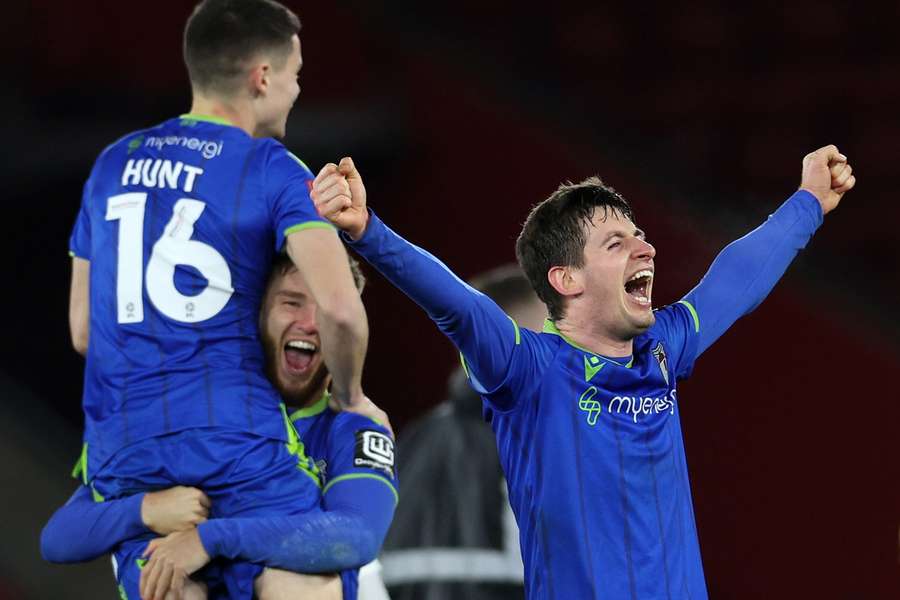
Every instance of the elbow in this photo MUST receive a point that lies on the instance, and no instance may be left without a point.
(369, 547)
(365, 547)
(372, 534)
(80, 336)
(50, 550)
(80, 343)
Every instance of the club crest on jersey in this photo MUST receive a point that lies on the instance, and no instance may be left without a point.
(659, 353)
(374, 450)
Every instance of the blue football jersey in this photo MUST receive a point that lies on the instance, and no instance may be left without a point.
(346, 447)
(592, 446)
(593, 452)
(180, 223)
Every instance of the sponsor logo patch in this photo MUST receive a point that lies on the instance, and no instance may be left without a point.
(660, 354)
(374, 450)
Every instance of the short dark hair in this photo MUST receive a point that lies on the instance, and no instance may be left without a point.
(555, 232)
(282, 265)
(222, 35)
(506, 285)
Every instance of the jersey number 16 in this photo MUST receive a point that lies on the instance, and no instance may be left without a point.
(175, 247)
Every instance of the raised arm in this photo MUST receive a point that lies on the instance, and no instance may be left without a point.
(322, 260)
(483, 333)
(744, 273)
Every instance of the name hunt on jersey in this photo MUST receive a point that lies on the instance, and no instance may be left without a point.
(180, 223)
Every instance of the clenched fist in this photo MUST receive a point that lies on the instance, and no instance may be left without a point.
(174, 509)
(340, 197)
(828, 176)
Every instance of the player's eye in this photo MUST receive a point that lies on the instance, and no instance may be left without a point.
(614, 245)
(292, 303)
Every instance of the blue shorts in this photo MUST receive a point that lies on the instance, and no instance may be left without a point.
(243, 475)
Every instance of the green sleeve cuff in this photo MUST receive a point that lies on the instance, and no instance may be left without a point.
(308, 225)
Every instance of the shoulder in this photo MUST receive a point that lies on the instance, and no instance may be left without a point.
(680, 317)
(348, 422)
(277, 154)
(125, 145)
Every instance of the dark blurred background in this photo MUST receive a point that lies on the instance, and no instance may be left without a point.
(461, 116)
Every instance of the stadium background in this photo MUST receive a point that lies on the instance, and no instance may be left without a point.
(461, 116)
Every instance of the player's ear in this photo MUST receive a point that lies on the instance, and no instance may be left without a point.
(565, 281)
(259, 79)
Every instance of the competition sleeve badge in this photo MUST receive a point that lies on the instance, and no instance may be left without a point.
(660, 354)
(374, 450)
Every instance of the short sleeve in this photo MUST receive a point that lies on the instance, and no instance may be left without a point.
(359, 448)
(678, 326)
(80, 240)
(289, 182)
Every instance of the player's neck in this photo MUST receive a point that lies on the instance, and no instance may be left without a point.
(587, 335)
(316, 393)
(232, 111)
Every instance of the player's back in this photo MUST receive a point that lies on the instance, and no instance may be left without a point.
(180, 223)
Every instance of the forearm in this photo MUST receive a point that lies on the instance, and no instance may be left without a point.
(84, 530)
(475, 324)
(344, 331)
(344, 342)
(744, 273)
(315, 542)
(346, 535)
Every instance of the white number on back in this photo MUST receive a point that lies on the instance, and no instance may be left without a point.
(174, 248)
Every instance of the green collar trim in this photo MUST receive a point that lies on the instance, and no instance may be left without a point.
(207, 118)
(313, 409)
(551, 328)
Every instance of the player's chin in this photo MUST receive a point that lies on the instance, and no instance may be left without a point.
(292, 386)
(642, 320)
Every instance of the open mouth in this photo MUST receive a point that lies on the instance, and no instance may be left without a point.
(639, 285)
(299, 354)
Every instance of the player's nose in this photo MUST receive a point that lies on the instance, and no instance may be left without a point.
(643, 249)
(305, 320)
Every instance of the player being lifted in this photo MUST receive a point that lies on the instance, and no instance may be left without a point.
(355, 460)
(171, 247)
(585, 413)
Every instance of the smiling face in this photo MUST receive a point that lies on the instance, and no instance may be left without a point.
(290, 338)
(617, 275)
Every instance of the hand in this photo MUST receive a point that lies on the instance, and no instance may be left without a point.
(174, 509)
(366, 408)
(828, 176)
(340, 197)
(172, 560)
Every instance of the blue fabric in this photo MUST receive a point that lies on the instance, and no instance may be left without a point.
(349, 530)
(83, 529)
(174, 370)
(592, 449)
(244, 476)
(362, 508)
